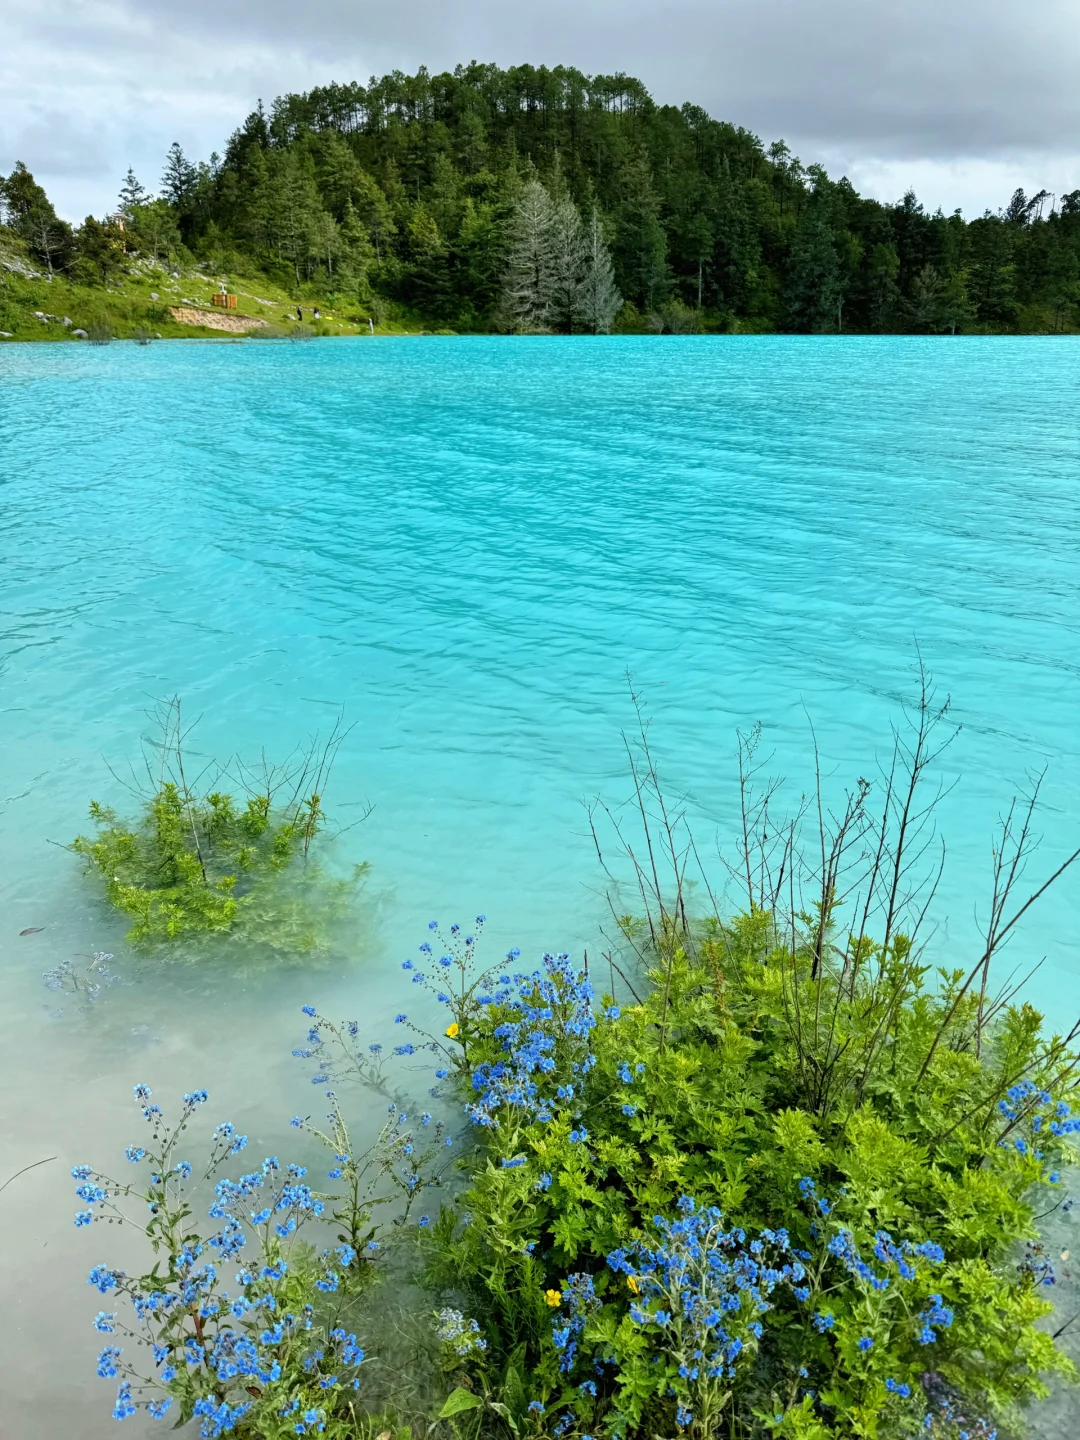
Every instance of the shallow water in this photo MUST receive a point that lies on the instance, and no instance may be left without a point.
(465, 544)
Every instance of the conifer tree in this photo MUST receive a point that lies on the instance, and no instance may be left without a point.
(132, 194)
(599, 300)
(568, 261)
(179, 177)
(31, 215)
(530, 269)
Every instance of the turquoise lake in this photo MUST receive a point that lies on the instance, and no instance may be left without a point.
(464, 544)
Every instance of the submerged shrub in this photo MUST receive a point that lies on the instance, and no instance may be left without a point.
(205, 862)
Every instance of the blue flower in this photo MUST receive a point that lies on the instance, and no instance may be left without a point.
(107, 1368)
(629, 1110)
(83, 1217)
(536, 1406)
(81, 1172)
(866, 1343)
(424, 1222)
(400, 1019)
(125, 1406)
(307, 1010)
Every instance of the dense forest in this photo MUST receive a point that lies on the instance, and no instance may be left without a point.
(544, 199)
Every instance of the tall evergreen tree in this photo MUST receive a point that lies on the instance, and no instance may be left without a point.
(568, 260)
(179, 177)
(132, 194)
(31, 215)
(530, 267)
(599, 300)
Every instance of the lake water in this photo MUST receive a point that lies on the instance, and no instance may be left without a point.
(464, 544)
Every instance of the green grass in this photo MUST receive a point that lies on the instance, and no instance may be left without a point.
(127, 305)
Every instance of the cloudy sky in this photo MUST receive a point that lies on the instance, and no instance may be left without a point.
(961, 99)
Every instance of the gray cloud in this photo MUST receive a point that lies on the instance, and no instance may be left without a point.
(958, 97)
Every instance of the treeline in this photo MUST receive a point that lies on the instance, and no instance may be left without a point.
(421, 192)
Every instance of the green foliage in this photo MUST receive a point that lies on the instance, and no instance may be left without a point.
(406, 192)
(897, 1130)
(200, 863)
(701, 1089)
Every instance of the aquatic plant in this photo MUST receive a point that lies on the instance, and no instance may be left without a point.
(199, 860)
(87, 982)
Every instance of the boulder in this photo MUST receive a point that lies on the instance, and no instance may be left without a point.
(6, 335)
(154, 295)
(80, 333)
(65, 321)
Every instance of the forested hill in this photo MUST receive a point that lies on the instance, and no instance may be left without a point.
(550, 200)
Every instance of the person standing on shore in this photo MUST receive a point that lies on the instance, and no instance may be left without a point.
(299, 313)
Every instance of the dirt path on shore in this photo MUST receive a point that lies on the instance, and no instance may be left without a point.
(237, 324)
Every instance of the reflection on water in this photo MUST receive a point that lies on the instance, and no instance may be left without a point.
(465, 544)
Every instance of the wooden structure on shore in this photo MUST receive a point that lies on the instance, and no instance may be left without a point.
(224, 301)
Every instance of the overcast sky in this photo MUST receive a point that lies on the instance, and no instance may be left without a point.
(961, 99)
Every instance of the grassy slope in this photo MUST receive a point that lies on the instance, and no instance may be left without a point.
(126, 305)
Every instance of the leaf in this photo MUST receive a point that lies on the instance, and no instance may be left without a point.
(458, 1401)
(32, 930)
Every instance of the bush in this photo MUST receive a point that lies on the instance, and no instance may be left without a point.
(202, 863)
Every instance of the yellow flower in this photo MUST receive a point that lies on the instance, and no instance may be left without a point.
(634, 1284)
(453, 1029)
(553, 1297)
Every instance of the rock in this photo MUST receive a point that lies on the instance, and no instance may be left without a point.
(80, 333)
(6, 335)
(65, 321)
(154, 295)
(39, 314)
(158, 334)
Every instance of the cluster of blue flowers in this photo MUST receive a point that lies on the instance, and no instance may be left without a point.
(546, 1043)
(701, 1290)
(203, 1336)
(900, 1259)
(1027, 1107)
(579, 1300)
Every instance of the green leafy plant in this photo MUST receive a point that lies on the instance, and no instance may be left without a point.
(781, 1070)
(200, 861)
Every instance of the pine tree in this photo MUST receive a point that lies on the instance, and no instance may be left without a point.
(568, 260)
(530, 266)
(599, 300)
(31, 215)
(179, 178)
(132, 194)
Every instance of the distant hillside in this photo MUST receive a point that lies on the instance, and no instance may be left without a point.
(498, 199)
